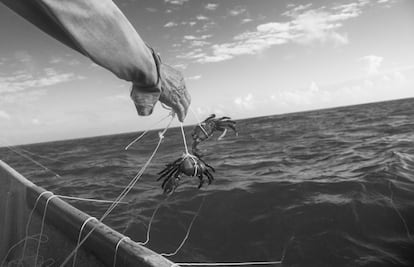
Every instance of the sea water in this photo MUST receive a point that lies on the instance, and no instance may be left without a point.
(321, 188)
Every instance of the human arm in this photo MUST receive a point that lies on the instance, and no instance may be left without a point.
(100, 31)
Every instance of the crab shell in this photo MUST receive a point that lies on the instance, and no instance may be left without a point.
(191, 167)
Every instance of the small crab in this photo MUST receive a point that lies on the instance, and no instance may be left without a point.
(207, 128)
(189, 165)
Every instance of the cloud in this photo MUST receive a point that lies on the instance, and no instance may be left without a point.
(23, 56)
(194, 78)
(176, 2)
(211, 6)
(305, 27)
(36, 121)
(24, 80)
(191, 23)
(197, 41)
(202, 17)
(192, 37)
(170, 24)
(387, 85)
(372, 63)
(246, 20)
(25, 97)
(238, 10)
(4, 115)
(151, 9)
(245, 102)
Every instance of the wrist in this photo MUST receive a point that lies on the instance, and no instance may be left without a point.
(153, 79)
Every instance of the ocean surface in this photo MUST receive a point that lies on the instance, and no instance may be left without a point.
(321, 188)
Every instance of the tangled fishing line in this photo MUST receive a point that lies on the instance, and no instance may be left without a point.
(41, 238)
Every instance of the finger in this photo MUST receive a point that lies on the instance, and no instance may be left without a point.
(185, 101)
(181, 112)
(144, 100)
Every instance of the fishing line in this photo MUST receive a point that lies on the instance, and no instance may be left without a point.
(151, 220)
(90, 199)
(127, 189)
(146, 131)
(187, 154)
(35, 237)
(43, 224)
(29, 221)
(34, 161)
(184, 140)
(398, 212)
(188, 231)
(80, 236)
(226, 263)
(116, 248)
(199, 122)
(39, 156)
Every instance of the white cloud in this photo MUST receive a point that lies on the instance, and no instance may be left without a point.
(4, 115)
(36, 121)
(372, 63)
(194, 78)
(180, 66)
(23, 56)
(246, 20)
(211, 6)
(238, 10)
(192, 37)
(246, 102)
(175, 2)
(119, 98)
(382, 86)
(25, 97)
(197, 41)
(62, 60)
(151, 9)
(191, 23)
(306, 26)
(20, 82)
(202, 17)
(170, 24)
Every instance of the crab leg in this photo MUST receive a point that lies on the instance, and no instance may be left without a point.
(223, 134)
(207, 164)
(175, 172)
(209, 176)
(200, 177)
(168, 173)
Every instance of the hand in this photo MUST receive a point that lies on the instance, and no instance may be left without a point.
(170, 90)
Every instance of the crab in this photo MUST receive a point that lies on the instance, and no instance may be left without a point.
(189, 165)
(206, 129)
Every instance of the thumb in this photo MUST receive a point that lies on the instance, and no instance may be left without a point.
(144, 99)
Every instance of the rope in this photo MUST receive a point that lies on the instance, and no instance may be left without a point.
(29, 220)
(127, 189)
(89, 199)
(198, 122)
(43, 225)
(117, 246)
(226, 263)
(184, 140)
(188, 231)
(151, 220)
(146, 131)
(33, 237)
(34, 161)
(187, 154)
(79, 237)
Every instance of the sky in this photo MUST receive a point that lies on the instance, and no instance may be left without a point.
(241, 58)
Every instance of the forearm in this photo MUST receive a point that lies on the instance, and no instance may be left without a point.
(97, 29)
